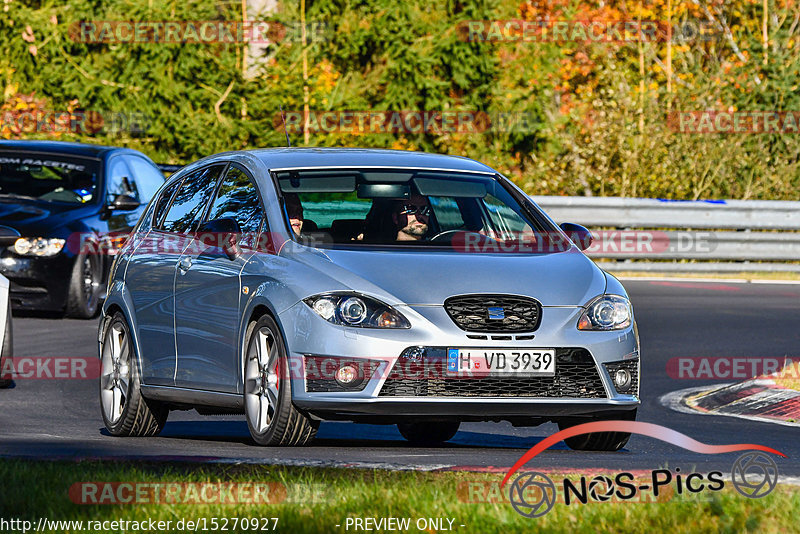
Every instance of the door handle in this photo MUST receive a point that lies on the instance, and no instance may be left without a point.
(184, 265)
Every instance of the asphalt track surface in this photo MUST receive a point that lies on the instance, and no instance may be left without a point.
(61, 418)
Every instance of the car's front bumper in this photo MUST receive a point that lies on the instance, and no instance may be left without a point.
(37, 283)
(474, 409)
(311, 336)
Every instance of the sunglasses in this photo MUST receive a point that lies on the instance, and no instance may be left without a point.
(411, 209)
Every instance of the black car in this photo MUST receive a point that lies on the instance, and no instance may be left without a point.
(65, 208)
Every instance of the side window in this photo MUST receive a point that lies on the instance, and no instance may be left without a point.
(190, 201)
(146, 220)
(119, 180)
(504, 219)
(147, 177)
(238, 199)
(163, 202)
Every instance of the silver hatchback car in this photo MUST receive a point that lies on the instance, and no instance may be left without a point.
(298, 285)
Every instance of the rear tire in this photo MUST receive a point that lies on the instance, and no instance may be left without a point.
(428, 433)
(8, 347)
(85, 286)
(597, 441)
(125, 411)
(271, 417)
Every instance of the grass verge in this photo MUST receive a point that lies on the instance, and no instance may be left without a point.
(318, 499)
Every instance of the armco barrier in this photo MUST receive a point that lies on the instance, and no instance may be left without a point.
(736, 235)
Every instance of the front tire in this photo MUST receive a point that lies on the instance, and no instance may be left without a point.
(125, 411)
(271, 417)
(85, 286)
(428, 433)
(597, 441)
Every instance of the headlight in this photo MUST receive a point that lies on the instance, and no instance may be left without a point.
(607, 312)
(352, 309)
(38, 246)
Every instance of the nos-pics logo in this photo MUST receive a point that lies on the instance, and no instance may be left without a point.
(533, 494)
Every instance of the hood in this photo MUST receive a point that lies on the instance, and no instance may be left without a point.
(32, 217)
(428, 278)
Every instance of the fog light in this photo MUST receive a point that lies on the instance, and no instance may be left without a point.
(622, 380)
(346, 375)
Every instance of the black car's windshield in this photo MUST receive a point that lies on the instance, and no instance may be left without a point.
(400, 207)
(53, 177)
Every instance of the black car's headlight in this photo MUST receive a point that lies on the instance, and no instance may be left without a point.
(606, 312)
(353, 309)
(38, 246)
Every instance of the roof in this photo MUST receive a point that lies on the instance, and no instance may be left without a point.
(287, 158)
(63, 147)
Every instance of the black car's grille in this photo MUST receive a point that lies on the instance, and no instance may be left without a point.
(494, 313)
(576, 376)
(633, 368)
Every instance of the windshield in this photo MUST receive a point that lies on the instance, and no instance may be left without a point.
(51, 177)
(359, 207)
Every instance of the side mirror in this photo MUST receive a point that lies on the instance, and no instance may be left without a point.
(223, 233)
(124, 202)
(8, 236)
(580, 235)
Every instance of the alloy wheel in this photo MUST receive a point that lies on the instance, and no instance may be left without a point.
(262, 380)
(115, 372)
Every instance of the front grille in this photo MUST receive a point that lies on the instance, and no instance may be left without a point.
(576, 377)
(320, 371)
(633, 368)
(494, 313)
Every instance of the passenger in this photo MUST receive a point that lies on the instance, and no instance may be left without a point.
(294, 209)
(411, 218)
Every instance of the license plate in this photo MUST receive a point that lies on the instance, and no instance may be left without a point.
(516, 362)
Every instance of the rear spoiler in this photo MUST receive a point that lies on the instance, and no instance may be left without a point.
(168, 167)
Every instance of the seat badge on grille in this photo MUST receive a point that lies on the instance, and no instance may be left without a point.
(496, 313)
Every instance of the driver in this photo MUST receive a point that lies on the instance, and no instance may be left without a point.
(411, 217)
